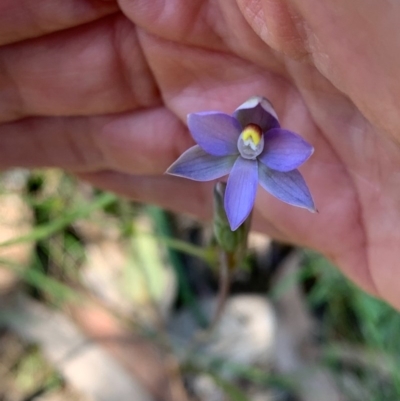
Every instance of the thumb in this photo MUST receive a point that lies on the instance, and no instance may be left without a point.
(352, 43)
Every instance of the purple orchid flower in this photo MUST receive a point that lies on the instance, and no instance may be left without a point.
(251, 146)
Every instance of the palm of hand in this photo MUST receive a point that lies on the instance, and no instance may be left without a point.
(206, 57)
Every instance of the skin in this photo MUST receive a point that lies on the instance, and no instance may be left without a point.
(102, 89)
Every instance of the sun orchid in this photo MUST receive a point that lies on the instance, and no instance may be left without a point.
(251, 147)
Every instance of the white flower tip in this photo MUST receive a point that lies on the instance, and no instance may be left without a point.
(259, 100)
(313, 209)
(250, 103)
(171, 170)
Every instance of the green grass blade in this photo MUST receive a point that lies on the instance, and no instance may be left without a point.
(46, 230)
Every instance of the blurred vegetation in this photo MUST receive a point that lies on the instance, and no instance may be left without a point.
(357, 337)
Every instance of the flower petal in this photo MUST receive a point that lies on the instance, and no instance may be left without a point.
(198, 165)
(257, 110)
(284, 150)
(289, 187)
(241, 191)
(217, 133)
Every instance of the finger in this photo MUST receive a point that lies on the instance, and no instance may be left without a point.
(169, 192)
(279, 220)
(98, 68)
(192, 23)
(143, 142)
(217, 26)
(350, 42)
(193, 79)
(277, 24)
(21, 20)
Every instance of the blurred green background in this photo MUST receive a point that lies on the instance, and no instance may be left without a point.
(295, 328)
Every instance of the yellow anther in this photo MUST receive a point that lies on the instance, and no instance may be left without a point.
(252, 132)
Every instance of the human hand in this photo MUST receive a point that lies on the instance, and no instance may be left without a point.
(102, 89)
